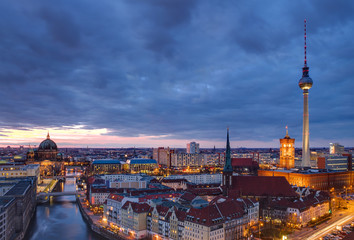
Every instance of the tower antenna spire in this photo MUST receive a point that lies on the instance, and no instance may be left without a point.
(305, 60)
(287, 134)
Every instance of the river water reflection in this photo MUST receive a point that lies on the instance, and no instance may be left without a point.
(60, 219)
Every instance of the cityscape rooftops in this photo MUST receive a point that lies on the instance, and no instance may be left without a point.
(20, 188)
(141, 161)
(106, 161)
(262, 186)
(243, 162)
(137, 207)
(5, 201)
(305, 170)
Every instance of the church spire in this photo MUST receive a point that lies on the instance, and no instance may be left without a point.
(48, 137)
(228, 166)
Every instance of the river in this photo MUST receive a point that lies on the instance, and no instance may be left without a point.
(60, 219)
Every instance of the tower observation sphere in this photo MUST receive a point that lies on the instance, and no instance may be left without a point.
(305, 82)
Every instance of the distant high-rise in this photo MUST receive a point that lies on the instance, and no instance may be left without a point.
(162, 156)
(287, 151)
(336, 148)
(305, 84)
(192, 147)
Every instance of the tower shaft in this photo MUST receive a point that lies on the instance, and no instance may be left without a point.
(306, 132)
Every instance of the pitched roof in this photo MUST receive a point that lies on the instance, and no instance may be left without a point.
(115, 197)
(243, 162)
(173, 180)
(205, 191)
(187, 196)
(181, 215)
(162, 210)
(300, 203)
(262, 186)
(216, 213)
(137, 207)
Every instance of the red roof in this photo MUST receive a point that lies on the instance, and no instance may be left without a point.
(187, 196)
(301, 204)
(243, 162)
(205, 191)
(173, 180)
(115, 197)
(90, 180)
(259, 186)
(162, 210)
(216, 213)
(181, 215)
(137, 207)
(106, 190)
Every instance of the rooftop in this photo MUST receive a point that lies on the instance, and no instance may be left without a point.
(262, 186)
(106, 161)
(19, 189)
(141, 161)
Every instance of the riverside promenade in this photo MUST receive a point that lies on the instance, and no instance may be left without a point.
(94, 222)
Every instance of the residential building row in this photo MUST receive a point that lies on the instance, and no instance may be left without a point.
(172, 219)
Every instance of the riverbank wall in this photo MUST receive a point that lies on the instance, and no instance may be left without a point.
(95, 227)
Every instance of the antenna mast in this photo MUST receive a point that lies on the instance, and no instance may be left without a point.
(305, 42)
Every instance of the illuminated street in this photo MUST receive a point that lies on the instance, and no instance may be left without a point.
(340, 218)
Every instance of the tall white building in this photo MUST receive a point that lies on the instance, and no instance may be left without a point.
(336, 148)
(192, 147)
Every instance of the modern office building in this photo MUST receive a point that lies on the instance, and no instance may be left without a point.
(336, 148)
(336, 162)
(199, 178)
(192, 147)
(163, 156)
(187, 159)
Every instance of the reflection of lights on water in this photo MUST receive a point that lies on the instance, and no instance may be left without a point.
(47, 212)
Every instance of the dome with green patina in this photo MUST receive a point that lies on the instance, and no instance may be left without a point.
(48, 144)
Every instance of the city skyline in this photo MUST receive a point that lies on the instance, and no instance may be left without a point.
(159, 73)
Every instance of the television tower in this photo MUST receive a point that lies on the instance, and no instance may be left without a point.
(305, 84)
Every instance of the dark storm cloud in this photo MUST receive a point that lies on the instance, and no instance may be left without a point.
(186, 69)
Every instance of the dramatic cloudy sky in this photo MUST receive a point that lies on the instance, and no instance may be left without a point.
(165, 72)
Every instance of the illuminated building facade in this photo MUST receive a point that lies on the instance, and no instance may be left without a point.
(336, 148)
(106, 166)
(287, 151)
(134, 219)
(192, 147)
(163, 156)
(323, 180)
(335, 162)
(47, 150)
(15, 171)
